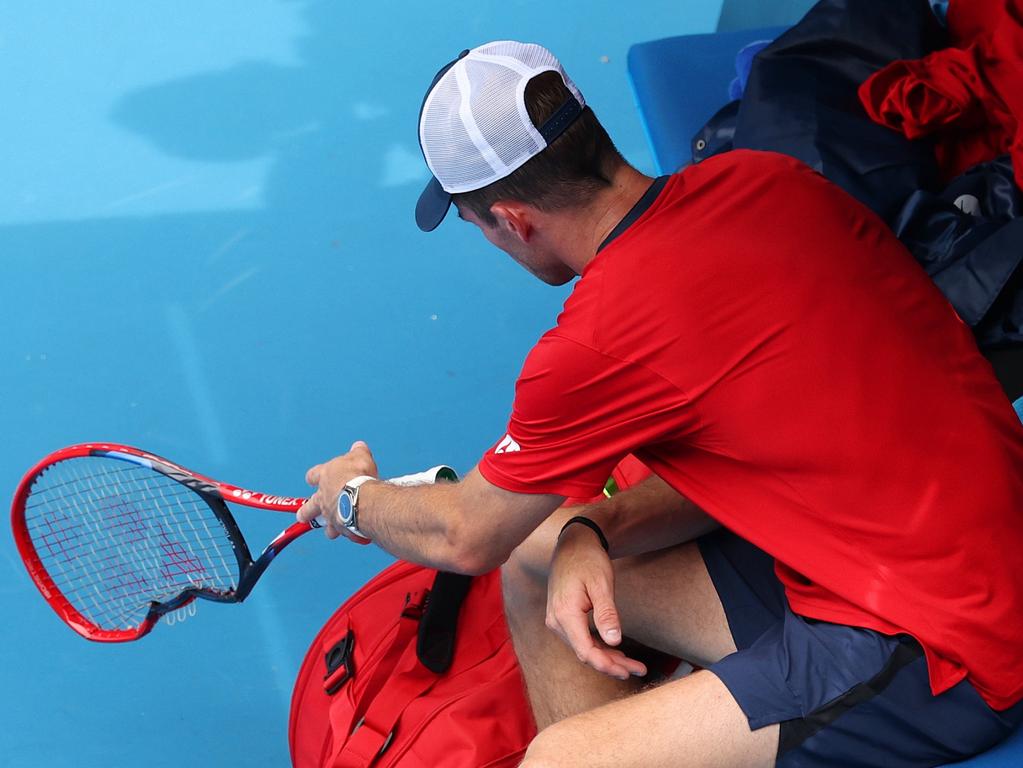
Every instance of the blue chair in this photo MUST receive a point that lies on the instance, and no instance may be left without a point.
(679, 83)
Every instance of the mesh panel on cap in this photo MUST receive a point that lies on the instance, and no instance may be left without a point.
(494, 102)
(533, 56)
(449, 151)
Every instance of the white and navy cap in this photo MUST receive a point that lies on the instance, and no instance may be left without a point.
(474, 127)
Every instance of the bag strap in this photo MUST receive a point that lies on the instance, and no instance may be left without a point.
(408, 670)
(436, 645)
(342, 718)
(432, 615)
(375, 729)
(437, 609)
(408, 625)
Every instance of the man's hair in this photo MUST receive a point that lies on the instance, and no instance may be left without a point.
(577, 165)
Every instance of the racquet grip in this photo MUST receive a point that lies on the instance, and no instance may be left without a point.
(429, 477)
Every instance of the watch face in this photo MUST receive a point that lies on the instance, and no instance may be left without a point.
(345, 507)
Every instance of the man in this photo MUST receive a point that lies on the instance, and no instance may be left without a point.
(769, 350)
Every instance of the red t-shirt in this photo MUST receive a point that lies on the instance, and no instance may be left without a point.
(629, 472)
(767, 346)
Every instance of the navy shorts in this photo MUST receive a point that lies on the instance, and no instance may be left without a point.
(845, 697)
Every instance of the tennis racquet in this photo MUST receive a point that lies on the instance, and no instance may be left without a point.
(115, 537)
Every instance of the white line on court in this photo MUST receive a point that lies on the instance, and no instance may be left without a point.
(179, 328)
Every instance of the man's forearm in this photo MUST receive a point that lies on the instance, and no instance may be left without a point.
(421, 524)
(466, 527)
(646, 517)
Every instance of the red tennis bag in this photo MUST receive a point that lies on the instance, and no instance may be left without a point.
(415, 670)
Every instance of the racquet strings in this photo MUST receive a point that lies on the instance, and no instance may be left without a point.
(115, 537)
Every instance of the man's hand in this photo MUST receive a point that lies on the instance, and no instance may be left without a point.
(581, 582)
(329, 478)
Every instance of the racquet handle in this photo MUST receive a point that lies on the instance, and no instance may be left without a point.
(428, 477)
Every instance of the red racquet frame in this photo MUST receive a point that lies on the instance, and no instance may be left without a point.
(214, 492)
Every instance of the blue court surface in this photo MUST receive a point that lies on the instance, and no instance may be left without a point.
(207, 251)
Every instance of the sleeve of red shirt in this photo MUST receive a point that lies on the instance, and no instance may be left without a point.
(577, 414)
(629, 472)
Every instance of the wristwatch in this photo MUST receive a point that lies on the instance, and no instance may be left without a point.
(348, 505)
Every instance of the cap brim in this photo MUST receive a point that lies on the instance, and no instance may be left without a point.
(432, 206)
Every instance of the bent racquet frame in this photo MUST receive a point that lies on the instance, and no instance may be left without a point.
(131, 536)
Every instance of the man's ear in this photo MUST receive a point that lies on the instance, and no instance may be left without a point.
(515, 218)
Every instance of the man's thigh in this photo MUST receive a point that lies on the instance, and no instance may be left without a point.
(667, 601)
(699, 601)
(689, 722)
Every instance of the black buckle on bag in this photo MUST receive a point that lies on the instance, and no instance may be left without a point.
(415, 604)
(340, 664)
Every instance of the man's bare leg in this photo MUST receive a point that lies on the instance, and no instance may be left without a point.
(665, 599)
(689, 722)
(557, 684)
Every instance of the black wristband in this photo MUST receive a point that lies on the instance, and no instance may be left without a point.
(591, 525)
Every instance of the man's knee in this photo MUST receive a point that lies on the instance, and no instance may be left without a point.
(548, 750)
(524, 586)
(524, 576)
(533, 556)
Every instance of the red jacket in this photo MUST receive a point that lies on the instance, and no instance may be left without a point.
(968, 97)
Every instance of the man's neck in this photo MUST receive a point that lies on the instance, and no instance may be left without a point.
(584, 230)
